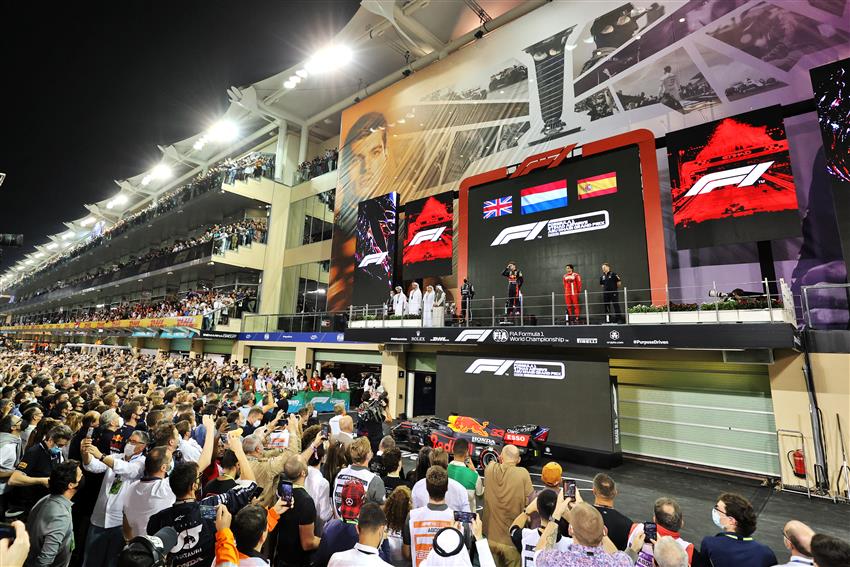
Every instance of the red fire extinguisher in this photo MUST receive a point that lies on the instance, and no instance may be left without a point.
(797, 462)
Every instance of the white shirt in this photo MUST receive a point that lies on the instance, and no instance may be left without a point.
(144, 499)
(109, 507)
(485, 557)
(8, 456)
(342, 384)
(797, 561)
(456, 497)
(360, 555)
(415, 302)
(319, 489)
(334, 424)
(190, 450)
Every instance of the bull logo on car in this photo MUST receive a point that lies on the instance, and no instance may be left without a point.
(464, 424)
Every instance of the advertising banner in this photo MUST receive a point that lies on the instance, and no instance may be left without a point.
(324, 402)
(374, 255)
(574, 72)
(193, 321)
(731, 181)
(428, 240)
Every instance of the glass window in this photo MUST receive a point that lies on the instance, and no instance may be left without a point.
(311, 219)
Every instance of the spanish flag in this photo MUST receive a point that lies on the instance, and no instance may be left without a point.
(597, 185)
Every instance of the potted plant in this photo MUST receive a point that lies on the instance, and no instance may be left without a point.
(648, 314)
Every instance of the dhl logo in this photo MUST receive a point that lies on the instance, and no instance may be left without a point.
(463, 424)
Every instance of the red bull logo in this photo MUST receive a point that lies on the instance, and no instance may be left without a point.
(464, 424)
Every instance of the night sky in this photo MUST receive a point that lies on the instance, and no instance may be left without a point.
(90, 88)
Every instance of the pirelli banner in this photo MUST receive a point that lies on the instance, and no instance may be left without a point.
(192, 322)
(576, 399)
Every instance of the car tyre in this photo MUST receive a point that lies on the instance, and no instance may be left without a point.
(488, 456)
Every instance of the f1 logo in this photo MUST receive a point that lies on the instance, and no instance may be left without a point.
(524, 231)
(497, 366)
(742, 176)
(373, 259)
(473, 335)
(430, 235)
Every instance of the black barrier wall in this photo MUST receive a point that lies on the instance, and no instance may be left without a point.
(575, 399)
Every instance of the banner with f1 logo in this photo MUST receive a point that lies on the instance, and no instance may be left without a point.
(374, 254)
(427, 249)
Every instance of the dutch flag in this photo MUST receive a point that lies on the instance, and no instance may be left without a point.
(543, 197)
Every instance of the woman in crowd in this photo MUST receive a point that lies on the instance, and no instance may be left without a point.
(397, 507)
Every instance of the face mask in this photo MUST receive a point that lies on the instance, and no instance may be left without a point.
(170, 467)
(257, 423)
(55, 451)
(129, 450)
(715, 517)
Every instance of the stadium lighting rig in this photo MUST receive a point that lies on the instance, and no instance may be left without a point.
(326, 60)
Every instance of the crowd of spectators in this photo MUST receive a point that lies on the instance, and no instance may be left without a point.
(224, 236)
(216, 305)
(188, 462)
(252, 165)
(319, 165)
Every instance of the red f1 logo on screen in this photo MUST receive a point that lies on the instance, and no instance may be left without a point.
(430, 235)
(373, 259)
(740, 176)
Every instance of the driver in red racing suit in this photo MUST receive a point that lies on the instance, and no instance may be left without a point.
(572, 289)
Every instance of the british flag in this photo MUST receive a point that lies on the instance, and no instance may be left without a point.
(498, 207)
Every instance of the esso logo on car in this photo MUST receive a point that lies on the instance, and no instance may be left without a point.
(517, 439)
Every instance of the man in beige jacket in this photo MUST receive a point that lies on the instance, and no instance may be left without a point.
(507, 490)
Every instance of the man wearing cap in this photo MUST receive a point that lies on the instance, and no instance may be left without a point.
(552, 477)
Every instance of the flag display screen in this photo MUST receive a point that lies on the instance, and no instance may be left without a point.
(731, 181)
(554, 226)
(429, 237)
(374, 256)
(831, 84)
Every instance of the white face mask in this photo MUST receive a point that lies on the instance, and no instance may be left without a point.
(715, 517)
(120, 422)
(257, 423)
(129, 451)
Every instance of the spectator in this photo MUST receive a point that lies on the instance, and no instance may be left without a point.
(317, 485)
(131, 414)
(188, 447)
(450, 549)
(423, 463)
(361, 453)
(617, 524)
(49, 525)
(525, 539)
(196, 541)
(346, 431)
(267, 470)
(339, 411)
(667, 552)
(239, 540)
(376, 465)
(30, 481)
(296, 538)
(507, 490)
(393, 466)
(589, 542)
(733, 546)
(797, 538)
(397, 507)
(230, 471)
(149, 495)
(342, 385)
(340, 534)
(423, 523)
(669, 521)
(371, 529)
(828, 551)
(11, 451)
(463, 471)
(456, 497)
(105, 537)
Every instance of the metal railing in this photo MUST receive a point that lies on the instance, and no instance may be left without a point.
(762, 301)
(311, 322)
(826, 306)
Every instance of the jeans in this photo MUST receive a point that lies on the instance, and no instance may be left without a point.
(103, 546)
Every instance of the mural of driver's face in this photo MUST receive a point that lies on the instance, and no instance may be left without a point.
(368, 161)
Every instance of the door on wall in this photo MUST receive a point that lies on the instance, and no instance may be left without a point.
(424, 393)
(706, 413)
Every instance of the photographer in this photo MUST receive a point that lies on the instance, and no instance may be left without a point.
(371, 415)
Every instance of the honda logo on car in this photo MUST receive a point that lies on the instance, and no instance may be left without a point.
(373, 259)
(430, 235)
(518, 368)
(563, 226)
(473, 335)
(740, 176)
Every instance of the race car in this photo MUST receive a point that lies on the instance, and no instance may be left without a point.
(485, 440)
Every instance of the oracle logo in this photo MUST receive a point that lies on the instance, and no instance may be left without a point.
(740, 176)
(430, 235)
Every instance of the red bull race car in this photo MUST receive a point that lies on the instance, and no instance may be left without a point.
(485, 439)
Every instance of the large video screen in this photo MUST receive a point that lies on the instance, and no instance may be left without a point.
(831, 84)
(374, 255)
(428, 239)
(584, 212)
(509, 392)
(731, 181)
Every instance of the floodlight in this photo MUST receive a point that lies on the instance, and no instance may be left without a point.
(161, 171)
(52, 246)
(223, 131)
(302, 73)
(289, 85)
(295, 79)
(146, 180)
(88, 221)
(329, 58)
